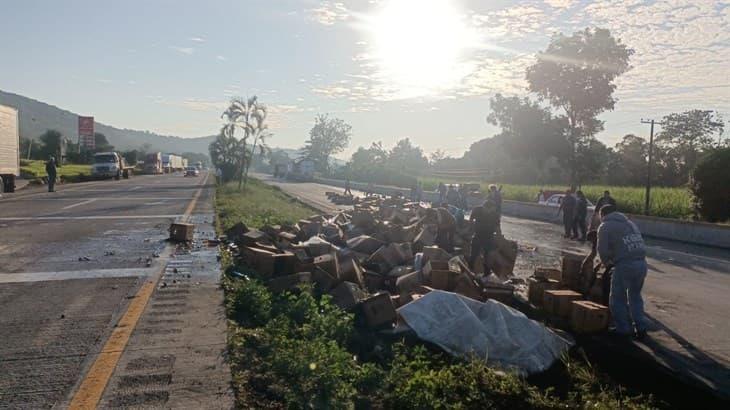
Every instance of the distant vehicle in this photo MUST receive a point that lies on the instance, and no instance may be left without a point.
(555, 200)
(199, 165)
(281, 170)
(192, 171)
(172, 163)
(302, 170)
(9, 147)
(153, 163)
(110, 165)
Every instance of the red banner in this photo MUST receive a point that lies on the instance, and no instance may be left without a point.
(86, 126)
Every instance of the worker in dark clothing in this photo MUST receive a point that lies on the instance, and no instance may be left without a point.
(606, 199)
(446, 223)
(486, 226)
(452, 196)
(348, 191)
(495, 195)
(567, 205)
(442, 192)
(581, 213)
(51, 171)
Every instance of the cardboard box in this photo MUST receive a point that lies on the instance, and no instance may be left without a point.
(364, 244)
(350, 270)
(182, 232)
(537, 288)
(408, 283)
(285, 263)
(444, 279)
(289, 282)
(434, 253)
(347, 295)
(252, 236)
(589, 317)
(559, 302)
(378, 310)
(503, 295)
(466, 286)
(323, 280)
(570, 265)
(329, 264)
(548, 273)
(373, 281)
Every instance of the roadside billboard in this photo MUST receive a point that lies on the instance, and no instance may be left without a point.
(86, 132)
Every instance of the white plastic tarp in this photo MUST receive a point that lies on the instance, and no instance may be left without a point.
(502, 336)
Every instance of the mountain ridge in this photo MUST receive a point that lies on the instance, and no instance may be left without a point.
(37, 116)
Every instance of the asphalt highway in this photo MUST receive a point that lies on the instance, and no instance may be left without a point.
(81, 273)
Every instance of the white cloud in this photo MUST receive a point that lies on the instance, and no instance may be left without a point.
(183, 50)
(131, 82)
(197, 39)
(221, 58)
(329, 12)
(560, 4)
(104, 81)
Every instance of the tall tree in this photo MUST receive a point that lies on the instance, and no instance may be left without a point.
(327, 137)
(248, 116)
(689, 133)
(407, 158)
(225, 154)
(576, 74)
(51, 141)
(101, 144)
(529, 132)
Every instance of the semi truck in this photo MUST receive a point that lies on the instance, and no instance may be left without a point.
(9, 147)
(153, 163)
(110, 165)
(172, 163)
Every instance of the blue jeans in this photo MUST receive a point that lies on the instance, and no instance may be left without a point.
(625, 300)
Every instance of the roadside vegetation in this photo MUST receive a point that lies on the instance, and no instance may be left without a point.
(298, 350)
(37, 169)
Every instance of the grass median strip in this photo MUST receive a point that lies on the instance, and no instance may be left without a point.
(299, 350)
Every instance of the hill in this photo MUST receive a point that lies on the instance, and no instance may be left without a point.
(36, 117)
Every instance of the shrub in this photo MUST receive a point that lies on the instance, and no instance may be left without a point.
(249, 302)
(710, 185)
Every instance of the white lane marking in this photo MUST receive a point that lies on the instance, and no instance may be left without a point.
(78, 204)
(77, 274)
(135, 187)
(74, 218)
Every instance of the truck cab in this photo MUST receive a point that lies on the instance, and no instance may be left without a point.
(108, 165)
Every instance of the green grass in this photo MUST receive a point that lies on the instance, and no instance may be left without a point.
(37, 169)
(298, 350)
(259, 205)
(665, 202)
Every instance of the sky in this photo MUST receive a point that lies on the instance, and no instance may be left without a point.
(422, 69)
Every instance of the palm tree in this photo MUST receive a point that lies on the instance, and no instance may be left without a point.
(250, 117)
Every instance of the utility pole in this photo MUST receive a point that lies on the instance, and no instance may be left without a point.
(649, 164)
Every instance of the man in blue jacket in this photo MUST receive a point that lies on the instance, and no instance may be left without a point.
(620, 244)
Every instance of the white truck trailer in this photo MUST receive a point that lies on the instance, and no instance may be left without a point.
(172, 163)
(9, 147)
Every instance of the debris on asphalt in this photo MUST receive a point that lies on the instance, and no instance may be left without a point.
(181, 232)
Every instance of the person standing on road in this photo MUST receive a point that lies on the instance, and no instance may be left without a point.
(567, 205)
(51, 171)
(348, 191)
(606, 199)
(442, 192)
(496, 196)
(620, 244)
(486, 226)
(452, 196)
(581, 213)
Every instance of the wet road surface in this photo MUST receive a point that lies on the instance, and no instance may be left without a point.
(685, 293)
(72, 261)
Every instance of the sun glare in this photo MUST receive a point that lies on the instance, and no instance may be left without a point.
(419, 45)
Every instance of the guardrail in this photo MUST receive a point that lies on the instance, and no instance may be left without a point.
(698, 233)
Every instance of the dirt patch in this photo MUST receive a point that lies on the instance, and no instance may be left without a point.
(151, 362)
(139, 399)
(144, 380)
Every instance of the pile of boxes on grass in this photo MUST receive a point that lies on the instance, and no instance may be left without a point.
(560, 294)
(371, 260)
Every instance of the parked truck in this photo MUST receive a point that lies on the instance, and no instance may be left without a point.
(110, 165)
(9, 147)
(172, 163)
(153, 163)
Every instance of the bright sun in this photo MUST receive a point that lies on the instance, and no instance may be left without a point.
(419, 45)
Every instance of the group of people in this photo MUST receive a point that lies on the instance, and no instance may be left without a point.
(574, 206)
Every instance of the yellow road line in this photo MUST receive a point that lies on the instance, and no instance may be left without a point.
(191, 205)
(92, 387)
